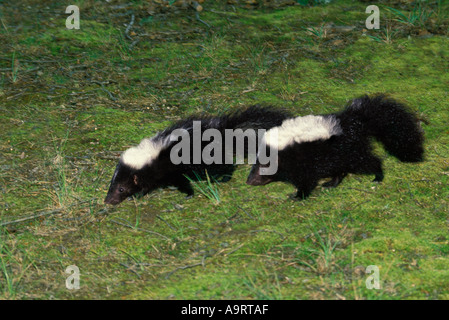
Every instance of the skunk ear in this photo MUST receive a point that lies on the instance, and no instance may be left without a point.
(135, 179)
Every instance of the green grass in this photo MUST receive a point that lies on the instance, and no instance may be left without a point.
(72, 100)
(209, 187)
(14, 68)
(8, 286)
(419, 15)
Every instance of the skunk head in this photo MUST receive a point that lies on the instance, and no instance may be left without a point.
(257, 178)
(124, 184)
(138, 171)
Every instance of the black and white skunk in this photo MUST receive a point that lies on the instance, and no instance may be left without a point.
(148, 166)
(312, 147)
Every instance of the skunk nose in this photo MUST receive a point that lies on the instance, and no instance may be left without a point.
(112, 201)
(250, 181)
(253, 179)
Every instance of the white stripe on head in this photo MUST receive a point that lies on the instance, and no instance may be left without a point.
(143, 154)
(302, 129)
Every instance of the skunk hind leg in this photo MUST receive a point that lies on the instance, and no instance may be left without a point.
(371, 165)
(225, 173)
(335, 181)
(378, 177)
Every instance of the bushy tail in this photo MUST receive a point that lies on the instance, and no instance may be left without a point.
(257, 117)
(392, 124)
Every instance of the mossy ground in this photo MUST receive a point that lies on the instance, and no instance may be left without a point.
(71, 100)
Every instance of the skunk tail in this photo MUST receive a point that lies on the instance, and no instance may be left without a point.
(391, 123)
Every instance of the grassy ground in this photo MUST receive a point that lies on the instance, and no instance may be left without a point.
(72, 100)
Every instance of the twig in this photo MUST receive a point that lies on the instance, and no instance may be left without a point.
(234, 250)
(42, 214)
(195, 5)
(361, 190)
(128, 28)
(168, 224)
(30, 70)
(251, 217)
(4, 26)
(17, 95)
(32, 217)
(131, 46)
(197, 17)
(108, 157)
(140, 229)
(104, 89)
(185, 267)
(267, 230)
(130, 269)
(36, 61)
(150, 265)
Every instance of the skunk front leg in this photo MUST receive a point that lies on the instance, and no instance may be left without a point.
(305, 189)
(185, 186)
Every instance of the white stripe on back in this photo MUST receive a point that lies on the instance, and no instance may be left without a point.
(302, 129)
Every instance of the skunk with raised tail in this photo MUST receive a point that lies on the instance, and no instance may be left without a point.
(149, 166)
(312, 147)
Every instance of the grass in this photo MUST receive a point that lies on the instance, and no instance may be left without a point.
(386, 37)
(72, 100)
(8, 286)
(14, 68)
(320, 253)
(209, 187)
(319, 33)
(63, 188)
(419, 15)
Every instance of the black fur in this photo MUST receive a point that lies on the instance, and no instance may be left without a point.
(304, 164)
(162, 172)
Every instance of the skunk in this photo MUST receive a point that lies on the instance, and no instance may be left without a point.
(148, 166)
(312, 147)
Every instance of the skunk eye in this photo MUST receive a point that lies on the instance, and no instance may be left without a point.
(121, 189)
